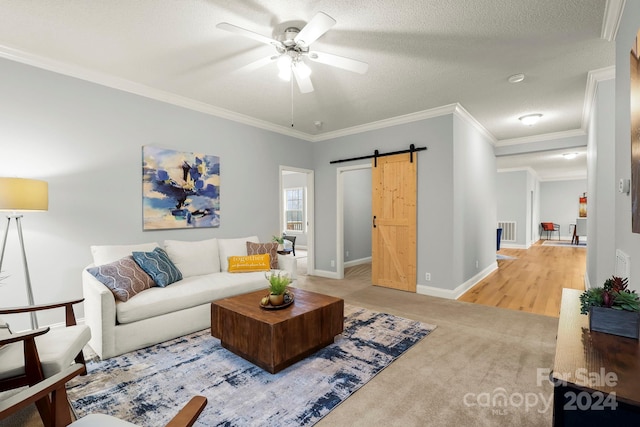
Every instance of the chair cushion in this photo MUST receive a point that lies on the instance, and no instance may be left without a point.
(101, 420)
(194, 258)
(270, 248)
(124, 277)
(57, 350)
(158, 265)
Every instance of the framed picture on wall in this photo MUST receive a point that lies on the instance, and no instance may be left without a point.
(179, 189)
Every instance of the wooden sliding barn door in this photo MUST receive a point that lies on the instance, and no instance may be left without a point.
(394, 222)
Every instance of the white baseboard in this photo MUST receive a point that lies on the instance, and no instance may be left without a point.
(459, 290)
(513, 246)
(357, 262)
(324, 273)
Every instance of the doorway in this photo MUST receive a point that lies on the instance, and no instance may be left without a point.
(353, 216)
(297, 213)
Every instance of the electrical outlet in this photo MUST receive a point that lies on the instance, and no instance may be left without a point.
(427, 276)
(477, 264)
(347, 254)
(333, 263)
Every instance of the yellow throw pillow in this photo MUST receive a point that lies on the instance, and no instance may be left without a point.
(248, 263)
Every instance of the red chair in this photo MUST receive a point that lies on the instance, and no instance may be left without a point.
(550, 227)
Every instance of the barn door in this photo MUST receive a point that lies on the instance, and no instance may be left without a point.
(394, 222)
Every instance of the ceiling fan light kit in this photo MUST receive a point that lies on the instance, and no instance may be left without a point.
(294, 46)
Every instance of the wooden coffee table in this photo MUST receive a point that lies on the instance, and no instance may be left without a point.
(275, 339)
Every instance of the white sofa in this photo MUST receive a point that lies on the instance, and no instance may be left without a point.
(162, 313)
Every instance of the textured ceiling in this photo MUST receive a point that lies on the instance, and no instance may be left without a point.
(422, 54)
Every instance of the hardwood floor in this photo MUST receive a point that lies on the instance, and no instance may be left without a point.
(533, 281)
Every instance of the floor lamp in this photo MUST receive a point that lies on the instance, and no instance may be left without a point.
(20, 195)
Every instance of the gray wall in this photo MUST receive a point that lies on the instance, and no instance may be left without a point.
(357, 214)
(512, 203)
(601, 184)
(625, 239)
(85, 140)
(559, 202)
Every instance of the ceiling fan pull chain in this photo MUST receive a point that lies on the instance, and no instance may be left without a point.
(291, 102)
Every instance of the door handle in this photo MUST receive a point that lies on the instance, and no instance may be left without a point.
(374, 222)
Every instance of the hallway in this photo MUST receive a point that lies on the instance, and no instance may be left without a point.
(533, 280)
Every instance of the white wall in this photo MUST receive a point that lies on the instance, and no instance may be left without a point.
(86, 140)
(559, 202)
(625, 240)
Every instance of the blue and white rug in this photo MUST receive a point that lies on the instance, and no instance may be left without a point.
(149, 386)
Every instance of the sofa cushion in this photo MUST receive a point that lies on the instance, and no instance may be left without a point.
(124, 277)
(158, 265)
(249, 263)
(105, 254)
(188, 292)
(233, 247)
(194, 258)
(270, 248)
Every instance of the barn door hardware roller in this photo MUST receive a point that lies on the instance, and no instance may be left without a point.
(412, 149)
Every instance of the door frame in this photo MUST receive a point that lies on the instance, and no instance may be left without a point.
(340, 215)
(310, 211)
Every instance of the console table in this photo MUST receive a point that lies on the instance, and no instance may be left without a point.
(596, 375)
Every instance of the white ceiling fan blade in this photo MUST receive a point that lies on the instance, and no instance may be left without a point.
(250, 34)
(319, 24)
(256, 64)
(304, 83)
(339, 61)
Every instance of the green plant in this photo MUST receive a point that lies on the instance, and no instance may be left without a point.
(278, 282)
(278, 239)
(613, 294)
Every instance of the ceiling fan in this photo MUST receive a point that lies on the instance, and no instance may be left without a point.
(294, 47)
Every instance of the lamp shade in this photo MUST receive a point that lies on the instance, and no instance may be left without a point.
(21, 194)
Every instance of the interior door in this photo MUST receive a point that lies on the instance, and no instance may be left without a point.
(393, 255)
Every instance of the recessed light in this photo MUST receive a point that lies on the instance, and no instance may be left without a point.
(570, 156)
(516, 78)
(530, 119)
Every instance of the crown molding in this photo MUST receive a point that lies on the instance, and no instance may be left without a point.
(541, 137)
(464, 115)
(611, 22)
(521, 169)
(593, 78)
(393, 121)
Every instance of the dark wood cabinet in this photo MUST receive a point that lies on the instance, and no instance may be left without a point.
(596, 375)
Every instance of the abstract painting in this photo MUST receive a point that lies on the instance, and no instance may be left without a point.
(179, 189)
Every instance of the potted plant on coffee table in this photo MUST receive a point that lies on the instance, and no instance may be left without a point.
(278, 283)
(612, 308)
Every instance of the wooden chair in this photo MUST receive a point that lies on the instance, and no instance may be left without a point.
(54, 388)
(292, 239)
(27, 358)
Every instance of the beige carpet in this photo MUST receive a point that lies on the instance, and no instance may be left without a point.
(457, 377)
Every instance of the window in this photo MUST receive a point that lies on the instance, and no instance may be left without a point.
(294, 209)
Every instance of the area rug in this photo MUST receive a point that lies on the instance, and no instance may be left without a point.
(505, 257)
(148, 387)
(564, 243)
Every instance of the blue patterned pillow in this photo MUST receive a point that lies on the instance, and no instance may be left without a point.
(158, 265)
(123, 277)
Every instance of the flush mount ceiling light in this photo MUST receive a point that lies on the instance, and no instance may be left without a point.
(530, 119)
(570, 156)
(516, 78)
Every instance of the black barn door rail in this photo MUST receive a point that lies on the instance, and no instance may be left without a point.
(412, 149)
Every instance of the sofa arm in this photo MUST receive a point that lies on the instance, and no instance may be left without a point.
(99, 315)
(289, 264)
